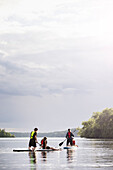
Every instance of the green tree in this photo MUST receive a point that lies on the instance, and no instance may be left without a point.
(100, 125)
(5, 134)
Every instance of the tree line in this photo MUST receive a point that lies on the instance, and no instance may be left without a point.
(3, 133)
(100, 125)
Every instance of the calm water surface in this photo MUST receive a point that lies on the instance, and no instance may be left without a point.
(91, 154)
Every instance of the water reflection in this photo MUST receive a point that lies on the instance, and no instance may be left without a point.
(105, 151)
(70, 155)
(32, 156)
(105, 143)
(44, 156)
(92, 154)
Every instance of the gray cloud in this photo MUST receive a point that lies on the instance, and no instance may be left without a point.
(47, 73)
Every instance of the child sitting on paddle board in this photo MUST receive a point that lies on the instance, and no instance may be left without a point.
(44, 144)
(73, 142)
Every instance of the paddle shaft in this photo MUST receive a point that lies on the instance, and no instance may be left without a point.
(38, 143)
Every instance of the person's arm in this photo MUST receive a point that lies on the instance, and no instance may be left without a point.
(45, 144)
(36, 138)
(66, 135)
(72, 134)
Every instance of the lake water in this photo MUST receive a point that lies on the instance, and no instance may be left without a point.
(92, 154)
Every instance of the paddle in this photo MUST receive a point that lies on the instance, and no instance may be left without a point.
(60, 144)
(38, 143)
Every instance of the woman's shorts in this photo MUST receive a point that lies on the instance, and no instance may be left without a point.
(32, 143)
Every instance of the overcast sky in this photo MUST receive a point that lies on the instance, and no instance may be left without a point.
(56, 62)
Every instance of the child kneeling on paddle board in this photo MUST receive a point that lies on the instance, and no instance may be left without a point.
(73, 142)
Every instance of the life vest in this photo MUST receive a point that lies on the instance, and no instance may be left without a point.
(69, 134)
(42, 141)
(32, 133)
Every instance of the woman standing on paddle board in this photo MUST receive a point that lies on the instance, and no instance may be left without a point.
(33, 139)
(69, 136)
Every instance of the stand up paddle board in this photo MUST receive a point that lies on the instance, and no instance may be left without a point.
(37, 150)
(71, 147)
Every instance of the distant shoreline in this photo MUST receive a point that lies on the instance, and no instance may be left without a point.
(47, 134)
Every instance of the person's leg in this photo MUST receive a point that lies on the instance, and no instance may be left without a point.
(48, 147)
(71, 143)
(33, 149)
(34, 146)
(29, 145)
(67, 142)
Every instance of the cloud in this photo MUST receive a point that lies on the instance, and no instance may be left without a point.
(53, 72)
(54, 54)
(29, 78)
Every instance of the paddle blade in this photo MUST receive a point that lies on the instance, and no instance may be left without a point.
(60, 144)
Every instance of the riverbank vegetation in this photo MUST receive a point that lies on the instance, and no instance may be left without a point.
(3, 133)
(100, 125)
